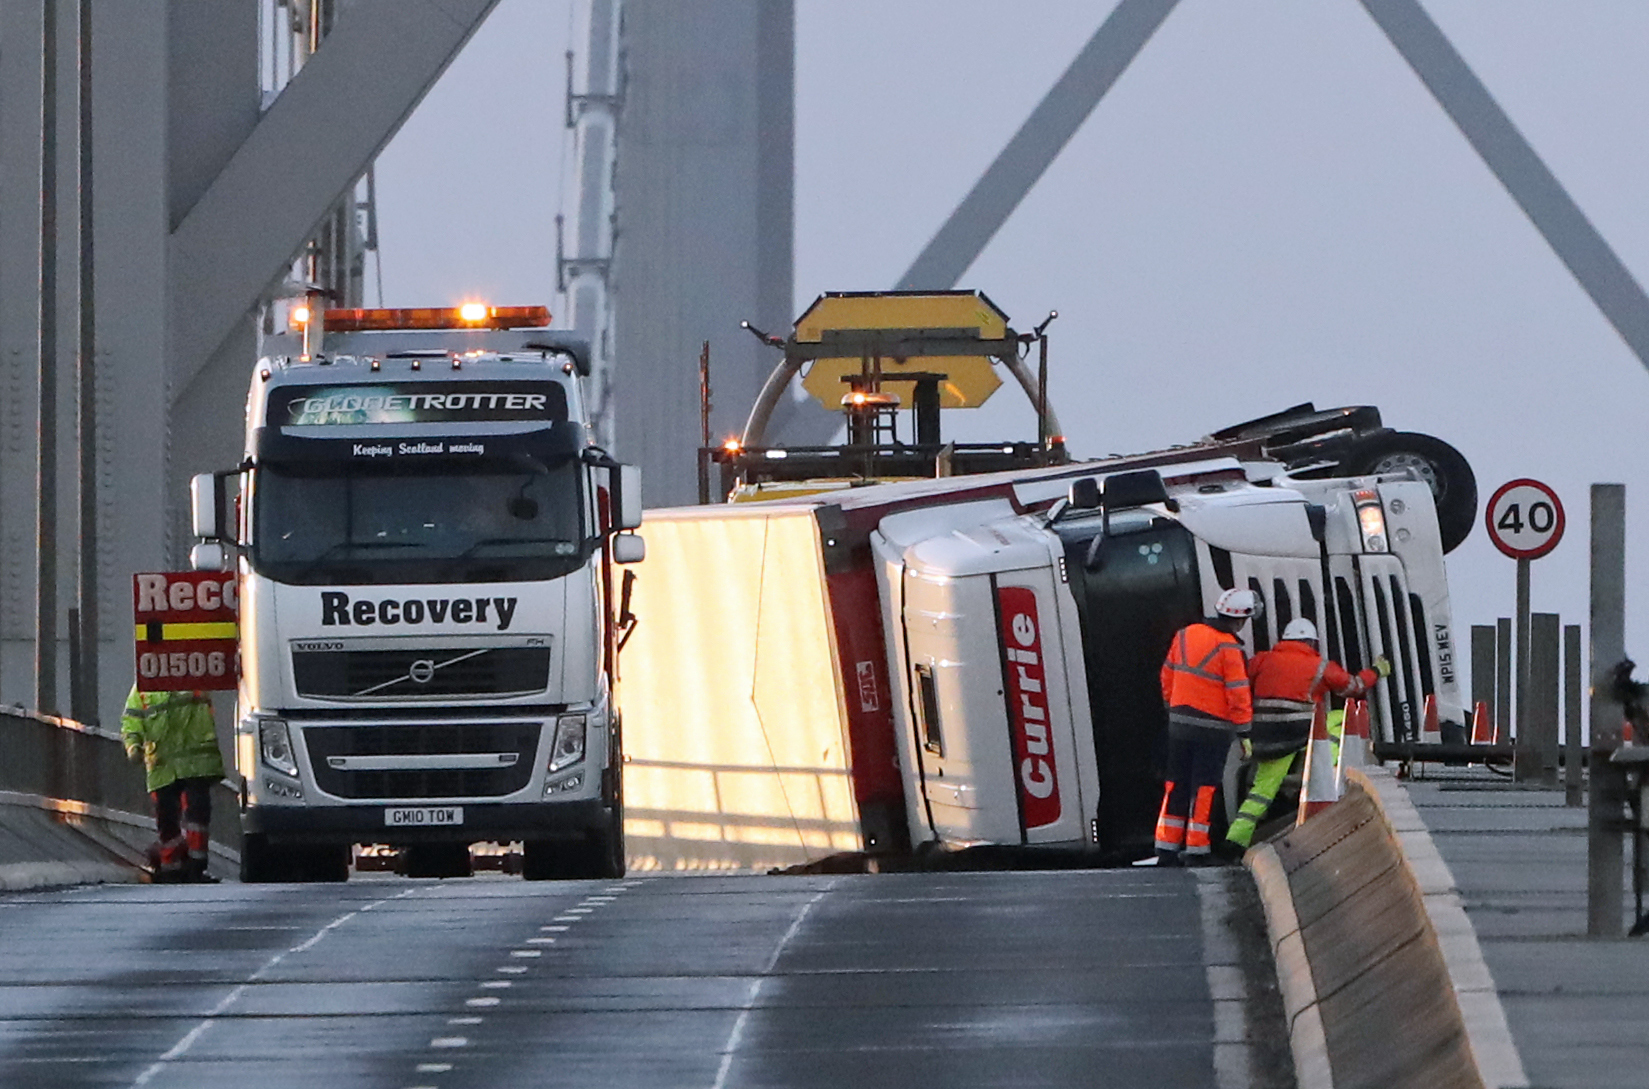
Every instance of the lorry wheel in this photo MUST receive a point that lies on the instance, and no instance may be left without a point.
(329, 863)
(258, 861)
(436, 860)
(1441, 466)
(594, 855)
(607, 849)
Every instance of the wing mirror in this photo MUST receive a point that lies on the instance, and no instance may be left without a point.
(628, 548)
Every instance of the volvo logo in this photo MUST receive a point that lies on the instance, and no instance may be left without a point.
(422, 671)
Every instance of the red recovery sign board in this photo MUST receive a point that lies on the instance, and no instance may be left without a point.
(187, 630)
(1033, 754)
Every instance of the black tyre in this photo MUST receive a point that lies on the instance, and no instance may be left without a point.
(328, 863)
(595, 854)
(1445, 469)
(257, 859)
(436, 860)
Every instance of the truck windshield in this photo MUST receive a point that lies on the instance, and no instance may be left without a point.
(493, 521)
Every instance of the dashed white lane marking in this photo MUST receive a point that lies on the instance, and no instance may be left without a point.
(566, 918)
(450, 1041)
(756, 986)
(463, 1020)
(512, 969)
(553, 929)
(496, 983)
(484, 1000)
(578, 911)
(179, 1049)
(540, 941)
(434, 1068)
(526, 952)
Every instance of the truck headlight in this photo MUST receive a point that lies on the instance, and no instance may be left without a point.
(276, 745)
(1371, 519)
(568, 748)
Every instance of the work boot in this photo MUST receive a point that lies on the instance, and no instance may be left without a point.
(195, 873)
(1170, 859)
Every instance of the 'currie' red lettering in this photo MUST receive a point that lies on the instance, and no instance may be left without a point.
(1037, 779)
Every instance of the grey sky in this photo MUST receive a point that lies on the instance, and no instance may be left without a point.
(1268, 208)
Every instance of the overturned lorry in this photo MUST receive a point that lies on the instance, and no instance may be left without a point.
(972, 661)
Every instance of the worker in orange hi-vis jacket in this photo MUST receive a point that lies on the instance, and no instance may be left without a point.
(1288, 681)
(1205, 685)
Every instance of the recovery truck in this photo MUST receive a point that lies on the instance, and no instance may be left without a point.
(424, 534)
(971, 660)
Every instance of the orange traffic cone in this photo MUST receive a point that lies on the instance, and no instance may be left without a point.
(1482, 725)
(1317, 790)
(1353, 743)
(1431, 732)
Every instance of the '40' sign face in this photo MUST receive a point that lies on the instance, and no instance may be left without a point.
(1524, 519)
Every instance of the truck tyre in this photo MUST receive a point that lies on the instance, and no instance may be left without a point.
(436, 860)
(328, 863)
(596, 854)
(257, 859)
(1445, 469)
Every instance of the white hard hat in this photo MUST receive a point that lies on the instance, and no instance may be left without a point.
(1240, 604)
(1301, 629)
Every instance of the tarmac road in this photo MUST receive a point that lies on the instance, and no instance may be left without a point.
(1074, 978)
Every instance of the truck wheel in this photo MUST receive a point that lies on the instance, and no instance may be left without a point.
(258, 861)
(594, 855)
(329, 863)
(436, 860)
(607, 849)
(1441, 466)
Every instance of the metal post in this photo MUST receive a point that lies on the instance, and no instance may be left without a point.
(1542, 715)
(1042, 393)
(85, 681)
(704, 422)
(1572, 671)
(1526, 765)
(1482, 668)
(1503, 681)
(45, 620)
(1607, 790)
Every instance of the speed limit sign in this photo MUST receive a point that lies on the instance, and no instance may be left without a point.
(1525, 519)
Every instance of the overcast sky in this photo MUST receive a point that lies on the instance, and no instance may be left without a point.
(1267, 208)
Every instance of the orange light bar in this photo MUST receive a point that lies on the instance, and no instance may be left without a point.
(468, 316)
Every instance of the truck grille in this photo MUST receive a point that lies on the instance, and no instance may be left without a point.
(423, 740)
(421, 673)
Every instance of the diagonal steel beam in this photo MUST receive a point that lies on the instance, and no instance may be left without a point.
(1037, 143)
(306, 152)
(1518, 167)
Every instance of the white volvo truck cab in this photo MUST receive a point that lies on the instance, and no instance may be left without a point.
(1026, 647)
(424, 535)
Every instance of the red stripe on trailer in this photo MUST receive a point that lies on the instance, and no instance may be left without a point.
(1433, 730)
(1035, 775)
(856, 615)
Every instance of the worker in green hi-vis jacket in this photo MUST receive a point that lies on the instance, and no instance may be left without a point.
(173, 733)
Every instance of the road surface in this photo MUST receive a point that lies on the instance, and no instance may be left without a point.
(1077, 978)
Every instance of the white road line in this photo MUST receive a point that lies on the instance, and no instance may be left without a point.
(463, 1020)
(484, 1000)
(566, 919)
(177, 1050)
(512, 969)
(500, 983)
(540, 941)
(552, 929)
(526, 952)
(450, 1041)
(433, 1068)
(755, 989)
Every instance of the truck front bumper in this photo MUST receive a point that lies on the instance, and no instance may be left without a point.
(482, 822)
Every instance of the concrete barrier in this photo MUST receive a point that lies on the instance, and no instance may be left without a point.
(1382, 980)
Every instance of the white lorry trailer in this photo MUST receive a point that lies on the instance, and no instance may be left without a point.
(424, 535)
(975, 660)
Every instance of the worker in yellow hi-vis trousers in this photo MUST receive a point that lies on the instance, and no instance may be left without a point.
(173, 734)
(1288, 680)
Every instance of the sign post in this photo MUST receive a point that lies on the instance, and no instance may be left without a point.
(187, 631)
(1525, 521)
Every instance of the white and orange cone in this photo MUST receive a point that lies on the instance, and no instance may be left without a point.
(1431, 732)
(1482, 725)
(1317, 791)
(1353, 743)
